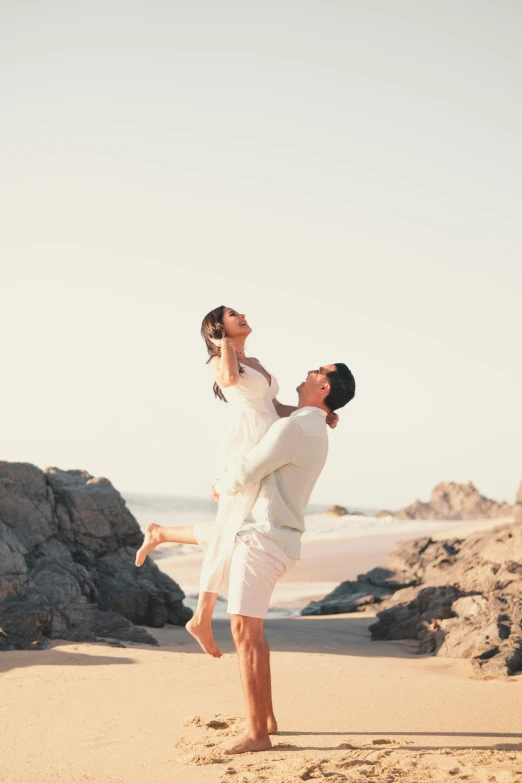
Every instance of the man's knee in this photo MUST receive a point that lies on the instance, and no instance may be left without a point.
(247, 630)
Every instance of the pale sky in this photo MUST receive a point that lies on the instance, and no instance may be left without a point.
(348, 174)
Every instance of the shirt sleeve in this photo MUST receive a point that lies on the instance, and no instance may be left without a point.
(278, 447)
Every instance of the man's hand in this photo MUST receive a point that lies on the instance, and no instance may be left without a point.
(332, 420)
(214, 494)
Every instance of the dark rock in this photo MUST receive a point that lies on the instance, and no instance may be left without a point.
(479, 616)
(143, 595)
(349, 596)
(13, 568)
(111, 642)
(340, 605)
(24, 623)
(460, 598)
(24, 506)
(67, 549)
(99, 519)
(390, 579)
(86, 623)
(397, 622)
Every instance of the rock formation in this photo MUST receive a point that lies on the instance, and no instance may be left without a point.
(67, 549)
(341, 511)
(337, 511)
(450, 500)
(460, 598)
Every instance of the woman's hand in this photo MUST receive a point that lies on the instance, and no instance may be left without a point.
(214, 494)
(222, 341)
(332, 420)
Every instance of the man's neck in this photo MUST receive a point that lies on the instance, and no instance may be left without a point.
(312, 404)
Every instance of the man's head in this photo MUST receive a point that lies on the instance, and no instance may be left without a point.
(329, 387)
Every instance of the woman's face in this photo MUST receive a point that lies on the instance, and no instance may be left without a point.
(235, 323)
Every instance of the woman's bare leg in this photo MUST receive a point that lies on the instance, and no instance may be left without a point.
(200, 626)
(161, 534)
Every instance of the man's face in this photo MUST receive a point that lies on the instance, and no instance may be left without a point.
(315, 380)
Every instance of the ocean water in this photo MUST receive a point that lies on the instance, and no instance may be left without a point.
(178, 510)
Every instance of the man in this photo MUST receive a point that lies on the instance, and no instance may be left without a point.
(287, 461)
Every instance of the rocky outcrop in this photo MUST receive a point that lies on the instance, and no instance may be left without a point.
(369, 588)
(337, 511)
(450, 500)
(341, 511)
(461, 597)
(67, 549)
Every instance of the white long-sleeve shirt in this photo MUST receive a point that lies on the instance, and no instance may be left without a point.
(287, 461)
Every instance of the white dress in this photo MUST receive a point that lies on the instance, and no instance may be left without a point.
(253, 414)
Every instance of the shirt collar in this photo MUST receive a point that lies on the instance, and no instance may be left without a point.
(309, 409)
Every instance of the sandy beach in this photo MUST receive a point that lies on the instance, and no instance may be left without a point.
(348, 709)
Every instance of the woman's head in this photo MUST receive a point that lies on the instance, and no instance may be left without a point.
(223, 322)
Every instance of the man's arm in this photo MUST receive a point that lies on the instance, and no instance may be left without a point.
(278, 447)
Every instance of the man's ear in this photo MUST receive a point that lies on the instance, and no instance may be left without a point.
(325, 389)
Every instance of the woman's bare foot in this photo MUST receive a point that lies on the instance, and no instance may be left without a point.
(271, 724)
(152, 539)
(202, 633)
(243, 744)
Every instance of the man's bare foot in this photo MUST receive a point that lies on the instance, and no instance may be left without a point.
(203, 634)
(242, 744)
(271, 724)
(152, 539)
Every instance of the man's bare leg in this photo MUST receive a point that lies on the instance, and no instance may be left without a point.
(200, 626)
(253, 656)
(270, 717)
(271, 722)
(162, 534)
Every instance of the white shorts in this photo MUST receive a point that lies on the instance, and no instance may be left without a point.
(256, 565)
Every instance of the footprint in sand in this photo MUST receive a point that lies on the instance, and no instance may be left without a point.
(362, 746)
(217, 724)
(192, 720)
(384, 741)
(101, 742)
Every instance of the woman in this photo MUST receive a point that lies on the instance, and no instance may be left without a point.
(252, 391)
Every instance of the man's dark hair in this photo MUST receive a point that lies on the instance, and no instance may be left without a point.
(342, 387)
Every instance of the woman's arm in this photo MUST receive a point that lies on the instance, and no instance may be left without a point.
(226, 368)
(283, 410)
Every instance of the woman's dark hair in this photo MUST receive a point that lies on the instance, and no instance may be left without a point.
(212, 328)
(342, 387)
